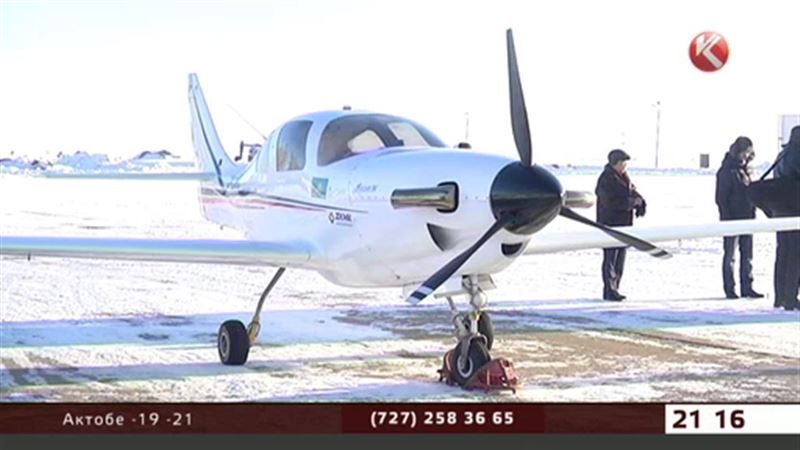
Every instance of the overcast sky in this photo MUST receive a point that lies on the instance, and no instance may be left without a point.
(112, 76)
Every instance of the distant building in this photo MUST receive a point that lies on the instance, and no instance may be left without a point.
(704, 161)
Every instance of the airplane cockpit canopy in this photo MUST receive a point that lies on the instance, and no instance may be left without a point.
(360, 133)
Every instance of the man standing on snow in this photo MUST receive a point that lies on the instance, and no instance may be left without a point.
(617, 200)
(733, 177)
(787, 252)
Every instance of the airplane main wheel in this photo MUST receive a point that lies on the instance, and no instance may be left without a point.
(233, 343)
(477, 357)
(486, 328)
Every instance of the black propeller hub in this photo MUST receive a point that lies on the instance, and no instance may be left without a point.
(531, 195)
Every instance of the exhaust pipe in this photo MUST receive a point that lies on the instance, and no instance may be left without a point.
(443, 197)
(578, 199)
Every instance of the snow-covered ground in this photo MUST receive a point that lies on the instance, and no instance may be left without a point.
(87, 330)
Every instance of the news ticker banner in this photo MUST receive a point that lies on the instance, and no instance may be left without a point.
(338, 418)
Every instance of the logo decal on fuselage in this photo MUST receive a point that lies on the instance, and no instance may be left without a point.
(340, 218)
(365, 188)
(319, 187)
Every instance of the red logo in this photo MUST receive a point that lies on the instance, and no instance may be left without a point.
(709, 51)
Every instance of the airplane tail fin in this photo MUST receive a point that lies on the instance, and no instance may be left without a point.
(207, 146)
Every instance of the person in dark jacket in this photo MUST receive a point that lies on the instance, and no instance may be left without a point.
(617, 201)
(733, 177)
(787, 252)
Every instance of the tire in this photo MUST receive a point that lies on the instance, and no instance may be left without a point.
(233, 344)
(477, 357)
(486, 328)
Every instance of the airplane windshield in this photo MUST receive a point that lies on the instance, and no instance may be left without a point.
(351, 135)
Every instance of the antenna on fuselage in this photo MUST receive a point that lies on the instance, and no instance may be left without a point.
(466, 126)
(248, 122)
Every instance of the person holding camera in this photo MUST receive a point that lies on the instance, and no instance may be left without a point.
(733, 177)
(617, 202)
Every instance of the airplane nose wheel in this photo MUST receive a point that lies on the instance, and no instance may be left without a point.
(467, 361)
(469, 364)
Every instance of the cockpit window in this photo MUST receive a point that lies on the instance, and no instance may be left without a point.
(291, 149)
(351, 135)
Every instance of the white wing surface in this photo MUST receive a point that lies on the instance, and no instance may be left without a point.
(158, 176)
(556, 241)
(217, 251)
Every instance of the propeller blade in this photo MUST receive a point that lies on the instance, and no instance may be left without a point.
(519, 115)
(434, 281)
(633, 241)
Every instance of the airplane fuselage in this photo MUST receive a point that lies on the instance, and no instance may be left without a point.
(346, 209)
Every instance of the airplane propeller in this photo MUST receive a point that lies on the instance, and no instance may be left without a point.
(524, 197)
(528, 212)
(519, 114)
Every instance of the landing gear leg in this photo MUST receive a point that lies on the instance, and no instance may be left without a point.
(474, 332)
(234, 340)
(478, 320)
(255, 323)
(469, 364)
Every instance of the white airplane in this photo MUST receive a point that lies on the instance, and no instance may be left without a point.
(375, 200)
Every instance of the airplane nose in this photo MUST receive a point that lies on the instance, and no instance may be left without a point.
(531, 194)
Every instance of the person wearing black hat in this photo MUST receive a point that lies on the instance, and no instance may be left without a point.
(617, 201)
(733, 177)
(787, 252)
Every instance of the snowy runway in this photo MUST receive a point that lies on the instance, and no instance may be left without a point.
(584, 351)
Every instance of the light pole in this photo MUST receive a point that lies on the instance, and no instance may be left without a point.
(658, 127)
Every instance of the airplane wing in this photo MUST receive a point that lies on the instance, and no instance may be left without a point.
(158, 176)
(557, 241)
(218, 251)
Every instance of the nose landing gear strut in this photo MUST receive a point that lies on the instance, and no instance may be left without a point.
(469, 364)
